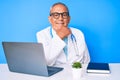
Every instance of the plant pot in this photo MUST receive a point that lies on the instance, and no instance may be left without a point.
(77, 73)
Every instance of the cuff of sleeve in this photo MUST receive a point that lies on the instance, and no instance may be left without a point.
(59, 42)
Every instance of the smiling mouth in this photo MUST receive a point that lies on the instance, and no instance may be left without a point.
(60, 23)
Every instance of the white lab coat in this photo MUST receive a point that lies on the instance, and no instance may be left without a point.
(53, 47)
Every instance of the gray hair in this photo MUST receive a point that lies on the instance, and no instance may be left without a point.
(58, 4)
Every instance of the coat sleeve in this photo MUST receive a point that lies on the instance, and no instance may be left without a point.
(86, 56)
(52, 46)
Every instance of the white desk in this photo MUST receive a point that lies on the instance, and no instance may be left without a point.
(66, 74)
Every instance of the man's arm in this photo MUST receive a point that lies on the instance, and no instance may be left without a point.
(52, 47)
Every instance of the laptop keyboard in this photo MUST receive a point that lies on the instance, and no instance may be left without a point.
(52, 70)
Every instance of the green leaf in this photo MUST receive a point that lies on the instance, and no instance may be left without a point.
(77, 65)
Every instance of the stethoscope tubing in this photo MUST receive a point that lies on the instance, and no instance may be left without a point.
(74, 41)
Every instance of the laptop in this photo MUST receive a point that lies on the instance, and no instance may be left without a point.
(28, 58)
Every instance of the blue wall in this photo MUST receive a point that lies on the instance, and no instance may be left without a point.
(98, 19)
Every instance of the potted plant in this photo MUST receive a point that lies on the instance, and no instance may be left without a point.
(77, 70)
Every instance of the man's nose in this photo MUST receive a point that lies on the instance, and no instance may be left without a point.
(60, 17)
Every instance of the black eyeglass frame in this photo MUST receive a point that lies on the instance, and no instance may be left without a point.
(58, 15)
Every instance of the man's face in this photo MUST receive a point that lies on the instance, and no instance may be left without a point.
(59, 20)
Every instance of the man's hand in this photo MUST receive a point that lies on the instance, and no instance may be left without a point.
(63, 32)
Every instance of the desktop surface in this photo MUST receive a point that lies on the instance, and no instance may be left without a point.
(66, 74)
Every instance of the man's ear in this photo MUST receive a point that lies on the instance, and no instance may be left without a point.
(49, 18)
(69, 19)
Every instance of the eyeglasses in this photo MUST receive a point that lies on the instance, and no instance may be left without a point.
(56, 15)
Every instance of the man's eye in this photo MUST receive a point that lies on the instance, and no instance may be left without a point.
(56, 15)
(64, 14)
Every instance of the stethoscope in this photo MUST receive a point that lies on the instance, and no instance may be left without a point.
(74, 44)
(76, 48)
(73, 41)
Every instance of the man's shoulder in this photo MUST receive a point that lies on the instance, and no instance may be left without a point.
(73, 28)
(47, 29)
(76, 30)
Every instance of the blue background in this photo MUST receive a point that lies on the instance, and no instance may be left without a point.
(98, 19)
